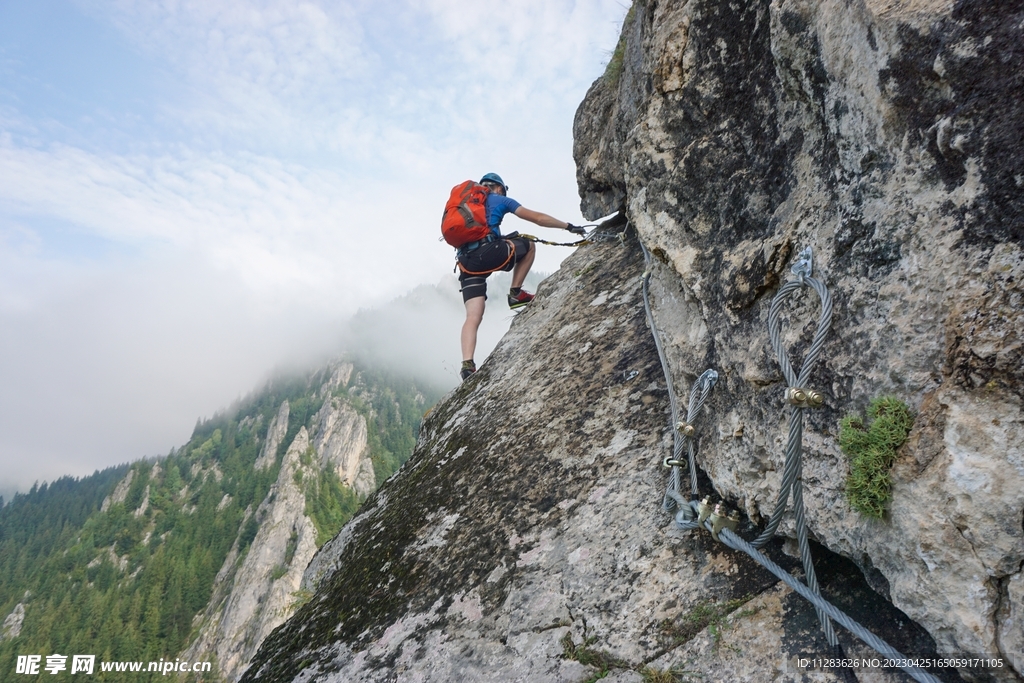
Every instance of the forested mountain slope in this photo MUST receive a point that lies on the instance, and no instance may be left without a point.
(123, 564)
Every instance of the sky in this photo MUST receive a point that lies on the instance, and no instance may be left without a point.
(196, 192)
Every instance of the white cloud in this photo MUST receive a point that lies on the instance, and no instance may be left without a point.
(117, 362)
(291, 168)
(272, 225)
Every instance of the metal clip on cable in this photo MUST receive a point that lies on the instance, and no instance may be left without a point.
(686, 437)
(804, 398)
(804, 266)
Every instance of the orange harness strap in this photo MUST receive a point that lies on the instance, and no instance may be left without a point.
(511, 255)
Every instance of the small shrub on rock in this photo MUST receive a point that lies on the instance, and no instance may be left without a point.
(872, 452)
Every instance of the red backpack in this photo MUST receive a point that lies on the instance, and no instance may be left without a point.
(465, 214)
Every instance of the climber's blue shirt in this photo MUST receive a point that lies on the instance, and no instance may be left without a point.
(497, 206)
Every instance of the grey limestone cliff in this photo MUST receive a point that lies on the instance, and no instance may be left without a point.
(11, 627)
(888, 137)
(525, 536)
(263, 586)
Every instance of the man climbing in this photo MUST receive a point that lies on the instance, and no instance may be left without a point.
(497, 252)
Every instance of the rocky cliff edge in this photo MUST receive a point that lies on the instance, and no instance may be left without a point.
(886, 136)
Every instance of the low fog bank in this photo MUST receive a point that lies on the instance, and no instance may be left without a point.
(107, 374)
(7, 493)
(418, 334)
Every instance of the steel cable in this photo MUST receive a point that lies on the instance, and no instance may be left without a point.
(687, 512)
(699, 392)
(823, 606)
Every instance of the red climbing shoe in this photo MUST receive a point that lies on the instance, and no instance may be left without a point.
(519, 300)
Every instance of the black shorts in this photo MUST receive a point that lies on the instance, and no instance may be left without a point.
(487, 259)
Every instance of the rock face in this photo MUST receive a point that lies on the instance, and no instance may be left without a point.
(275, 435)
(887, 136)
(119, 493)
(525, 536)
(524, 539)
(341, 443)
(11, 628)
(263, 587)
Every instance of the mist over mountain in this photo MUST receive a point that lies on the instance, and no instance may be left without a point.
(418, 333)
(201, 552)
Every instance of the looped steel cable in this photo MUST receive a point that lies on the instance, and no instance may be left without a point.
(688, 515)
(792, 469)
(682, 437)
(685, 436)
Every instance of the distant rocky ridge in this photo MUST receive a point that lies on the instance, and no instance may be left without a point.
(11, 627)
(257, 587)
(256, 592)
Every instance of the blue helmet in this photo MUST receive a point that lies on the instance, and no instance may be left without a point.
(494, 178)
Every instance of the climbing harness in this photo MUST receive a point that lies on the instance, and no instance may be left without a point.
(511, 255)
(719, 520)
(530, 238)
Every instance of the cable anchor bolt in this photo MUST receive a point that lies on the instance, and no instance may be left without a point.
(708, 380)
(686, 429)
(673, 462)
(804, 266)
(804, 398)
(703, 509)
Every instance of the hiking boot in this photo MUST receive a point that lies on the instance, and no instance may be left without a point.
(468, 368)
(520, 299)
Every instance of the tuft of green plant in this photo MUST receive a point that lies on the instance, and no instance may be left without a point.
(604, 661)
(872, 452)
(673, 675)
(613, 71)
(705, 615)
(302, 596)
(583, 271)
(588, 656)
(330, 503)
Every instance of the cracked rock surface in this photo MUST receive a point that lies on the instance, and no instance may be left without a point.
(525, 541)
(888, 137)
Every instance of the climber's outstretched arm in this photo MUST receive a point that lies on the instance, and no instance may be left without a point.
(541, 219)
